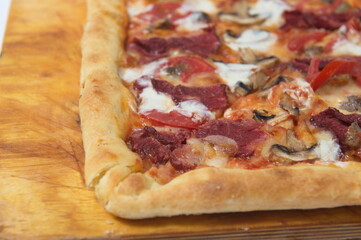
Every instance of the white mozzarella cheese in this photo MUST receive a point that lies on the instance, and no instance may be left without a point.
(346, 47)
(150, 100)
(232, 73)
(206, 6)
(272, 10)
(257, 40)
(194, 109)
(132, 74)
(191, 23)
(138, 7)
(328, 149)
(153, 100)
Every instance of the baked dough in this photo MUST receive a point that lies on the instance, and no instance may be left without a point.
(114, 171)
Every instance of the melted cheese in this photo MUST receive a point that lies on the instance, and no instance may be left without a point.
(232, 73)
(257, 40)
(150, 100)
(191, 23)
(327, 149)
(198, 6)
(346, 47)
(272, 10)
(137, 7)
(132, 74)
(153, 100)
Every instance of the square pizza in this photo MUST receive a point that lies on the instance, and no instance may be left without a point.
(192, 107)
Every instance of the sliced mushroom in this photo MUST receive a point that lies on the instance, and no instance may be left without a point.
(262, 115)
(353, 104)
(274, 81)
(258, 80)
(297, 156)
(242, 89)
(241, 15)
(287, 103)
(295, 150)
(353, 136)
(267, 62)
(248, 55)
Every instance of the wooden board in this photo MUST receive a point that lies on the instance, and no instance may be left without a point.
(42, 192)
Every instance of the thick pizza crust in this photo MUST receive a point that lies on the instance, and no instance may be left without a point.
(113, 170)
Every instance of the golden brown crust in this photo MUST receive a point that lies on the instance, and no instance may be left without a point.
(105, 104)
(111, 168)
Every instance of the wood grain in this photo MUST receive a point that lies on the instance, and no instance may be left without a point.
(42, 192)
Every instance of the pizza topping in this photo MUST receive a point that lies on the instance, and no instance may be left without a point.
(156, 146)
(353, 104)
(165, 104)
(185, 67)
(193, 22)
(132, 74)
(213, 97)
(353, 136)
(160, 12)
(262, 115)
(236, 74)
(336, 122)
(336, 67)
(198, 6)
(241, 15)
(154, 48)
(346, 47)
(257, 40)
(246, 133)
(332, 21)
(272, 10)
(298, 43)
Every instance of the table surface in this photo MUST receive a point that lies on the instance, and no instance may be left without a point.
(42, 191)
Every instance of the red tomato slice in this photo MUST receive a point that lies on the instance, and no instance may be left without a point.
(187, 66)
(336, 67)
(297, 43)
(173, 119)
(162, 11)
(313, 69)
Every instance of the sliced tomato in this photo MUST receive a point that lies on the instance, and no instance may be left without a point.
(173, 119)
(313, 69)
(297, 43)
(161, 11)
(187, 66)
(336, 67)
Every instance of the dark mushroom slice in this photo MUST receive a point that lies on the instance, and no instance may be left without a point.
(242, 89)
(203, 17)
(353, 104)
(267, 62)
(241, 15)
(275, 81)
(262, 115)
(296, 156)
(287, 103)
(353, 136)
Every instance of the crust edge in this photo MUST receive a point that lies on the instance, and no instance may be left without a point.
(111, 167)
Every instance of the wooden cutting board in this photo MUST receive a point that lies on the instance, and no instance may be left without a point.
(42, 192)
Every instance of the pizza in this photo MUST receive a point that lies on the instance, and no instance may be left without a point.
(192, 107)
